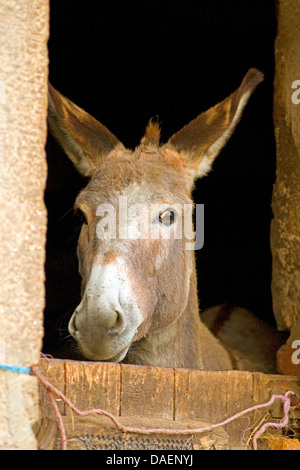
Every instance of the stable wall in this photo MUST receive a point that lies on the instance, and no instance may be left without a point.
(23, 111)
(285, 230)
(285, 227)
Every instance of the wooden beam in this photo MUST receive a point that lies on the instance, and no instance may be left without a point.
(144, 396)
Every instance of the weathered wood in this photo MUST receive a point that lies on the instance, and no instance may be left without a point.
(279, 385)
(54, 371)
(240, 396)
(151, 397)
(214, 397)
(147, 391)
(90, 386)
(200, 395)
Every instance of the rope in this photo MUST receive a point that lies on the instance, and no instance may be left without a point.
(19, 369)
(289, 399)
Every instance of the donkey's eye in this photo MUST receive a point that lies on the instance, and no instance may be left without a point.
(167, 217)
(81, 216)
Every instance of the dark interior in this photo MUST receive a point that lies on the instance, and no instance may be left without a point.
(125, 62)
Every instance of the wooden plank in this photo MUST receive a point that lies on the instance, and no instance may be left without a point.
(46, 428)
(269, 385)
(53, 370)
(147, 391)
(93, 385)
(143, 395)
(200, 395)
(213, 397)
(240, 396)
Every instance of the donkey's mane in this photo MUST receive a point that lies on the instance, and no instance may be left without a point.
(152, 134)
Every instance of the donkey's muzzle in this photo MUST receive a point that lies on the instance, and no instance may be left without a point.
(106, 320)
(103, 323)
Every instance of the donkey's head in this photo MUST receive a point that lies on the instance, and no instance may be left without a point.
(133, 260)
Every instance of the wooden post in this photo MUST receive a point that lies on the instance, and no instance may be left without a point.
(23, 107)
(285, 228)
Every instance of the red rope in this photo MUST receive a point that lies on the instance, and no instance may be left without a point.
(289, 399)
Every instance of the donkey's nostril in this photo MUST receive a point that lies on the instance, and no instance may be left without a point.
(72, 325)
(119, 324)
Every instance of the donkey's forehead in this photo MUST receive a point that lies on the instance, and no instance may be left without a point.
(143, 176)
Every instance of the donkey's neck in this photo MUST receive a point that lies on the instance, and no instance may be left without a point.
(175, 346)
(186, 343)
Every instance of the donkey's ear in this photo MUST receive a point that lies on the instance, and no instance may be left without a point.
(83, 138)
(200, 141)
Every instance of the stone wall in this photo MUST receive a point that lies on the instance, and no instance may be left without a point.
(285, 229)
(23, 103)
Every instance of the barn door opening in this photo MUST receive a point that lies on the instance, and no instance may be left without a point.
(174, 62)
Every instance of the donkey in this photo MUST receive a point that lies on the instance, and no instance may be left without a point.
(139, 295)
